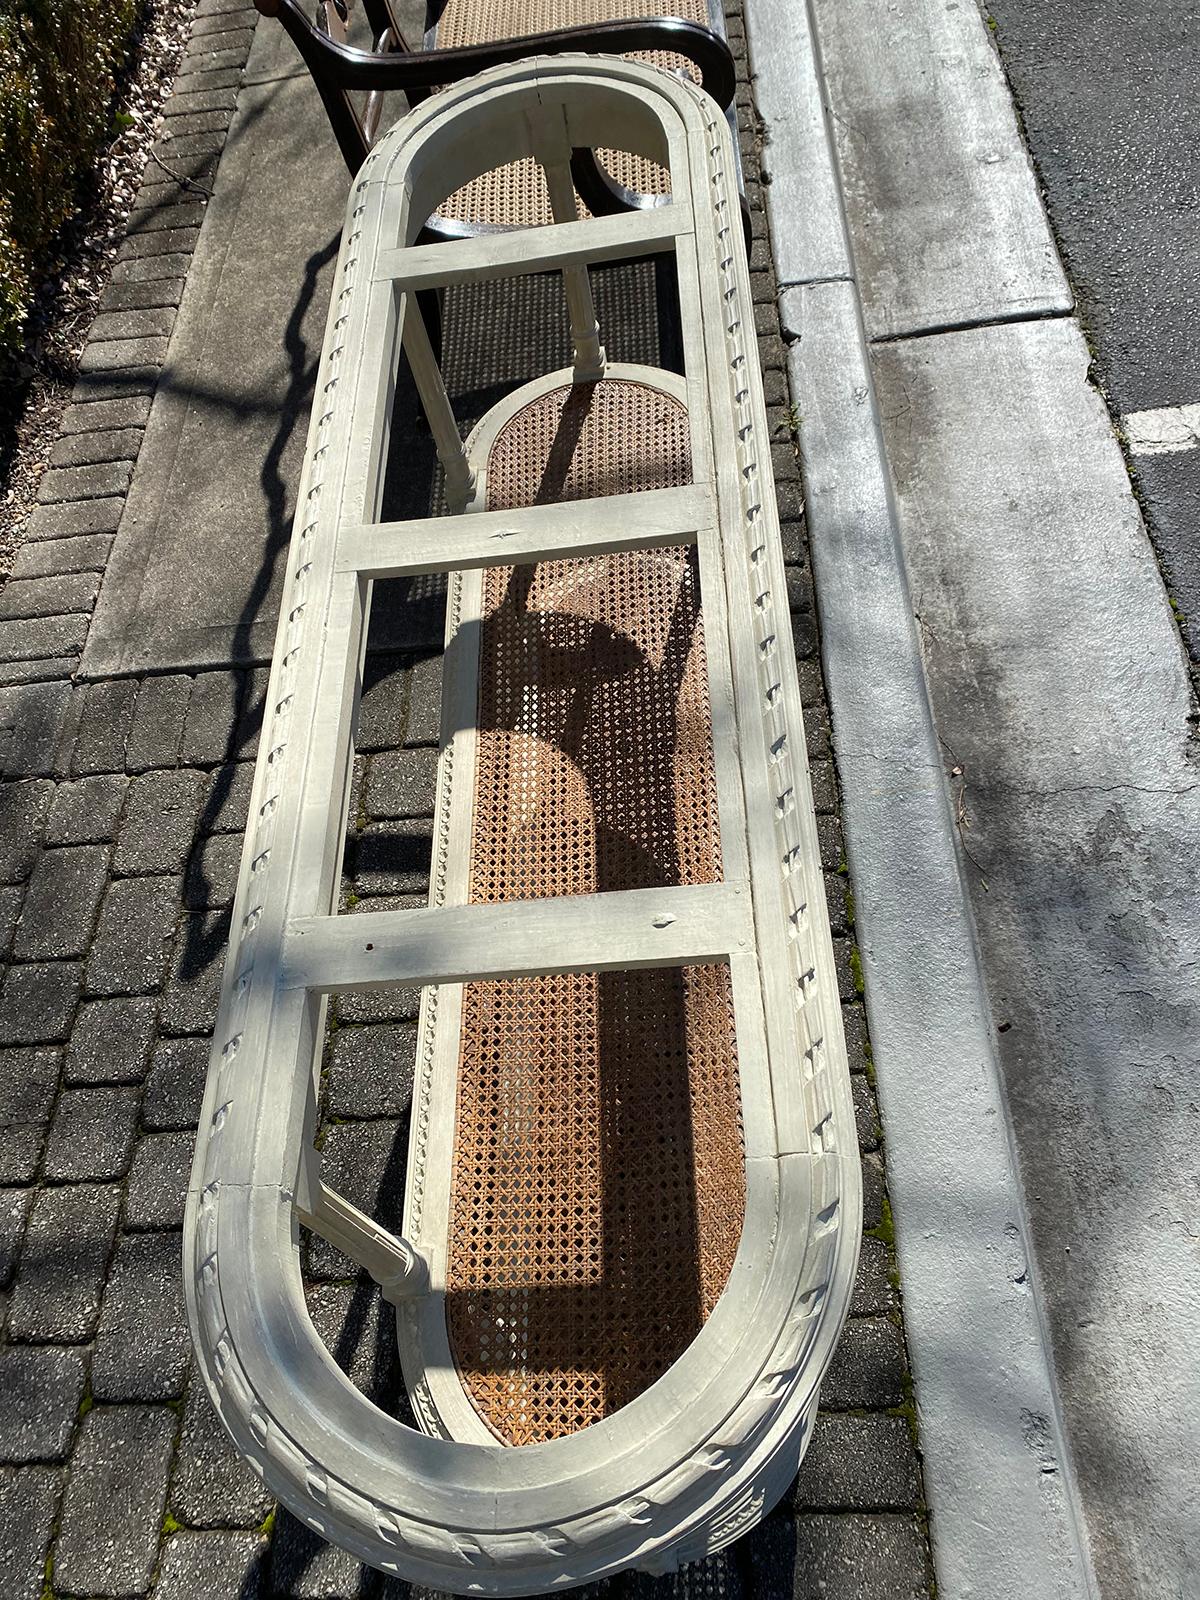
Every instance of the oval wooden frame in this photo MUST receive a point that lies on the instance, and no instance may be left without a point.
(699, 1457)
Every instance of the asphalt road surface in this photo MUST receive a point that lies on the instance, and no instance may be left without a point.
(1109, 91)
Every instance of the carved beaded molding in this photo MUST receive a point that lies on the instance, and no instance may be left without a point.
(699, 1457)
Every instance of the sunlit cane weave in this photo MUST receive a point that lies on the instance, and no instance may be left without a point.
(598, 1187)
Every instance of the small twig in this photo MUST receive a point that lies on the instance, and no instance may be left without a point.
(188, 183)
(962, 820)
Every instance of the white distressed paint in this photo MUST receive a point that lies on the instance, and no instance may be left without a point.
(1162, 431)
(703, 1454)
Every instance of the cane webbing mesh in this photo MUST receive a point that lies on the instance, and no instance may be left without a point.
(514, 196)
(598, 1189)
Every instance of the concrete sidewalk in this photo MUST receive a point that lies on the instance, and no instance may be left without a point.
(120, 821)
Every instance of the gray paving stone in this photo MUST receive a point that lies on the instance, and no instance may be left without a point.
(213, 872)
(304, 1567)
(104, 727)
(105, 414)
(867, 1371)
(854, 1027)
(221, 8)
(36, 719)
(194, 987)
(158, 1181)
(156, 242)
(91, 1137)
(142, 1345)
(858, 1464)
(866, 1112)
(196, 122)
(424, 724)
(69, 520)
(837, 902)
(383, 705)
(196, 165)
(61, 902)
(874, 1294)
(839, 1558)
(63, 1263)
(37, 1002)
(160, 818)
(371, 1070)
(86, 811)
(185, 212)
(381, 1005)
(114, 385)
(235, 19)
(48, 557)
(816, 730)
(28, 1082)
(53, 596)
(847, 984)
(189, 153)
(227, 802)
(251, 703)
(137, 924)
(214, 709)
(112, 1512)
(212, 1485)
(40, 1391)
(110, 355)
(134, 296)
(829, 834)
(10, 910)
(824, 786)
(358, 1328)
(200, 53)
(409, 615)
(23, 811)
(110, 1042)
(199, 98)
(109, 444)
(393, 858)
(873, 1191)
(84, 483)
(365, 1162)
(14, 1209)
(145, 268)
(157, 728)
(197, 1566)
(41, 638)
(40, 669)
(29, 1499)
(175, 1086)
(401, 783)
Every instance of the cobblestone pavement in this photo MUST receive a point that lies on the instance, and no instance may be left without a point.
(120, 832)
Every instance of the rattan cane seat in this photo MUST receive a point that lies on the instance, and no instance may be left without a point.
(514, 196)
(599, 1187)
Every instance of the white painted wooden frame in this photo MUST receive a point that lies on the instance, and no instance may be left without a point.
(702, 1454)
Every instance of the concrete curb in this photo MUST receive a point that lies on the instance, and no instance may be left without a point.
(1004, 1507)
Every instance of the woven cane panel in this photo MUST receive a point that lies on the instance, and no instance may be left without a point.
(514, 196)
(598, 1188)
